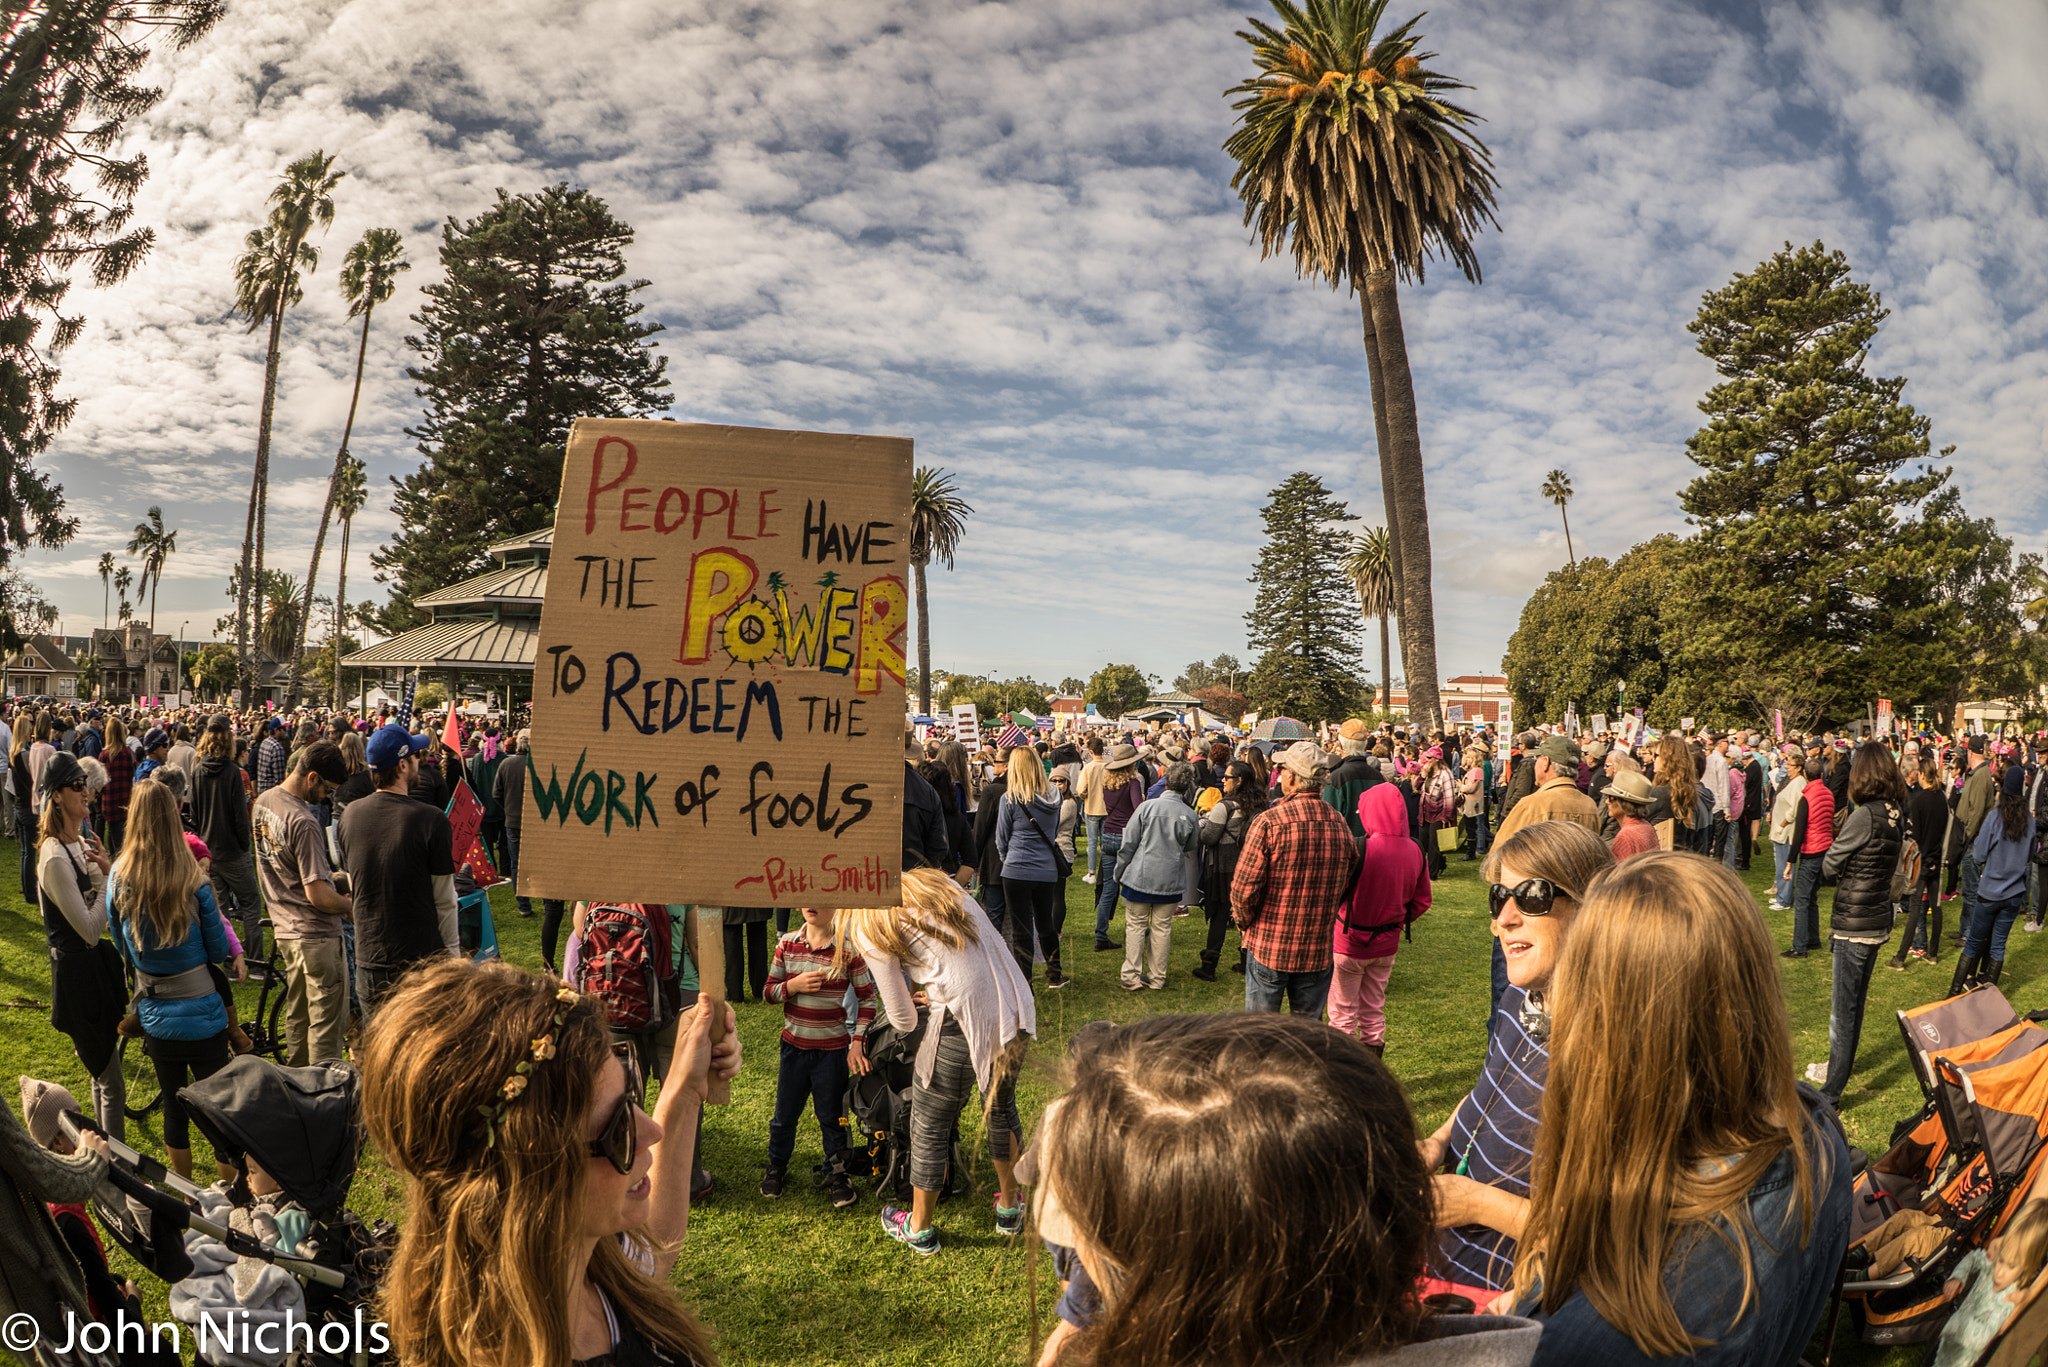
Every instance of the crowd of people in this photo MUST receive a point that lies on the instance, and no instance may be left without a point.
(1605, 1192)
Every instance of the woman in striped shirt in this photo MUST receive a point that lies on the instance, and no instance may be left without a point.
(1482, 1154)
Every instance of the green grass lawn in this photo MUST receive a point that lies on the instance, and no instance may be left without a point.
(794, 1281)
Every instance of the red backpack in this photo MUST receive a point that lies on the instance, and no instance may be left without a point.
(628, 963)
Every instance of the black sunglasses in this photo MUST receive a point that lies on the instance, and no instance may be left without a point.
(620, 1144)
(76, 785)
(1532, 898)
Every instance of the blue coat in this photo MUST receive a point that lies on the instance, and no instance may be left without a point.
(1025, 857)
(206, 942)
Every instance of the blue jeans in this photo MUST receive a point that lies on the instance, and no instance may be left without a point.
(1806, 901)
(1482, 835)
(1305, 992)
(1989, 928)
(1105, 884)
(1095, 842)
(511, 869)
(1781, 884)
(1853, 963)
(816, 1075)
(1972, 874)
(995, 904)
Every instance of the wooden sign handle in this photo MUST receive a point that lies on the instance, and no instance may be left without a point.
(709, 925)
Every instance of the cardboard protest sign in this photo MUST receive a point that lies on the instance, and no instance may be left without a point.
(718, 693)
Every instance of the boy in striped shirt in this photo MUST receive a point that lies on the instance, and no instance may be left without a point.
(817, 1049)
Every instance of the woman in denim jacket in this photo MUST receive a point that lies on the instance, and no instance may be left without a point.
(1690, 1198)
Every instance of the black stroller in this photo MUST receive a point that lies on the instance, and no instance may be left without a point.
(299, 1125)
(878, 1116)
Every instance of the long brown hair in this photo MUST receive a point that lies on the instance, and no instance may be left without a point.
(1676, 771)
(1653, 1135)
(1181, 1153)
(156, 873)
(481, 1277)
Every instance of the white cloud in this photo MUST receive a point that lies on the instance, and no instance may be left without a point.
(1006, 231)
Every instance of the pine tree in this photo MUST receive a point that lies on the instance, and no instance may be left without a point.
(1302, 621)
(1806, 523)
(66, 96)
(532, 328)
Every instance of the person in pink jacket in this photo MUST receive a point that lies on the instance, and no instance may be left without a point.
(1392, 890)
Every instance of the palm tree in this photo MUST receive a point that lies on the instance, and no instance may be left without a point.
(1349, 156)
(1370, 568)
(938, 519)
(106, 569)
(1557, 487)
(369, 274)
(351, 492)
(123, 577)
(155, 545)
(266, 284)
(280, 625)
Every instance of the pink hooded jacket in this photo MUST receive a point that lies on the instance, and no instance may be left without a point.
(1393, 885)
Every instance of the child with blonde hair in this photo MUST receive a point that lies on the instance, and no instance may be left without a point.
(1996, 1276)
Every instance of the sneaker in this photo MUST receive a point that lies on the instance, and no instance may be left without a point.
(1816, 1073)
(1133, 987)
(700, 1193)
(1088, 878)
(1897, 965)
(2031, 927)
(1791, 953)
(1779, 906)
(1009, 1219)
(896, 1224)
(1918, 953)
(772, 1181)
(1104, 946)
(1061, 981)
(840, 1190)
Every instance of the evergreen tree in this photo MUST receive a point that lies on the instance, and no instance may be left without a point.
(66, 96)
(532, 328)
(1806, 523)
(1302, 621)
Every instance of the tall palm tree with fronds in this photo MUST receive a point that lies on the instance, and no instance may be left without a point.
(938, 519)
(266, 285)
(1557, 487)
(1370, 568)
(106, 569)
(155, 544)
(369, 274)
(1349, 156)
(280, 625)
(123, 577)
(351, 492)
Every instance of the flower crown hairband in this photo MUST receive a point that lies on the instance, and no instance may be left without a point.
(514, 1086)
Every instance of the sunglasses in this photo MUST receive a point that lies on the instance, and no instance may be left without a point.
(1532, 898)
(76, 786)
(620, 1143)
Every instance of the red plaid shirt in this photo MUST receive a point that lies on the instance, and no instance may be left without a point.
(120, 763)
(1293, 873)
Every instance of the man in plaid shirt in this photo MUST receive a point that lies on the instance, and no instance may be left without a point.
(1295, 870)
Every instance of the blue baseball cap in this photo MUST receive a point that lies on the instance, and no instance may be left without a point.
(390, 744)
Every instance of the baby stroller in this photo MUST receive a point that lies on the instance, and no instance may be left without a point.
(878, 1116)
(299, 1125)
(1953, 1172)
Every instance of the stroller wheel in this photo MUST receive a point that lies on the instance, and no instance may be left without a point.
(142, 1093)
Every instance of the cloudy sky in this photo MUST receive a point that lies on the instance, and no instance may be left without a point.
(1006, 231)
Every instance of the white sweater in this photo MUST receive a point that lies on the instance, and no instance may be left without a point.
(977, 983)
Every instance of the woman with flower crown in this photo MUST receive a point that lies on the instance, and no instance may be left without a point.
(545, 1208)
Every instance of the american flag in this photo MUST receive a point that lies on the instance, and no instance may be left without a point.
(1012, 738)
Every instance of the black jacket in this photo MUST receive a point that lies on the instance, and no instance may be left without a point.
(991, 867)
(1348, 782)
(925, 842)
(1752, 791)
(1521, 783)
(1927, 817)
(1861, 863)
(220, 814)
